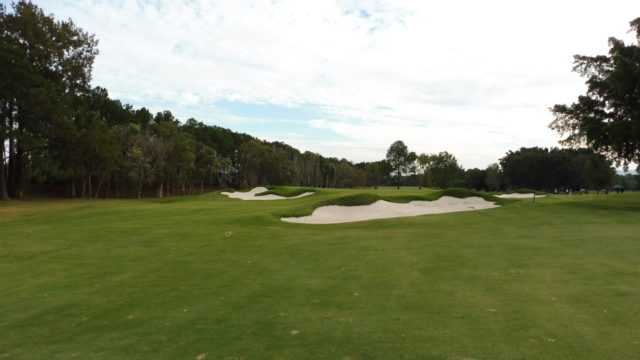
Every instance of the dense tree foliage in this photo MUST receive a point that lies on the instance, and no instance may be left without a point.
(439, 170)
(60, 131)
(46, 66)
(548, 169)
(607, 117)
(443, 171)
(375, 173)
(400, 159)
(627, 181)
(494, 178)
(475, 179)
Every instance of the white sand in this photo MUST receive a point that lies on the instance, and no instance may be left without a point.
(334, 214)
(519, 196)
(251, 195)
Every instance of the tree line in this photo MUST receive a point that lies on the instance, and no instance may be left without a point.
(57, 131)
(535, 167)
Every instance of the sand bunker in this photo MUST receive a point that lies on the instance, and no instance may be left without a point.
(251, 195)
(519, 196)
(334, 214)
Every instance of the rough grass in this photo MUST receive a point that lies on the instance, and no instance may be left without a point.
(141, 279)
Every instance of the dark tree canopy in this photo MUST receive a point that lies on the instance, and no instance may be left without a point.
(399, 158)
(59, 132)
(46, 66)
(547, 169)
(443, 170)
(475, 179)
(607, 118)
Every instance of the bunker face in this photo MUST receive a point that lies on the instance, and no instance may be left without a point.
(251, 195)
(519, 196)
(334, 214)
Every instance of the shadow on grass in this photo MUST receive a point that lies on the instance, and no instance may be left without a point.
(607, 204)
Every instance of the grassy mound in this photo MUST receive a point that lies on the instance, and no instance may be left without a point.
(286, 191)
(369, 198)
(524, 191)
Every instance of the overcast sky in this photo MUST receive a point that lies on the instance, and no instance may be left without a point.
(347, 78)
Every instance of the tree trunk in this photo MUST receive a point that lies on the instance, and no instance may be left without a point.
(4, 195)
(100, 183)
(139, 187)
(160, 187)
(19, 172)
(14, 186)
(11, 165)
(16, 181)
(73, 188)
(16, 166)
(84, 188)
(201, 186)
(398, 178)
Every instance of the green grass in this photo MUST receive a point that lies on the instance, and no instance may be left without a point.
(558, 278)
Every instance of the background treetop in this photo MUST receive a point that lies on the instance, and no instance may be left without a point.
(607, 117)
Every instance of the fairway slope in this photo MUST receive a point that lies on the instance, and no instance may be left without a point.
(381, 209)
(254, 194)
(148, 279)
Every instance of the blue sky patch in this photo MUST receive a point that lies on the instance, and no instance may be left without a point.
(283, 130)
(264, 121)
(269, 111)
(364, 14)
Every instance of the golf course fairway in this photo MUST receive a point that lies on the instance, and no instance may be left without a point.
(211, 277)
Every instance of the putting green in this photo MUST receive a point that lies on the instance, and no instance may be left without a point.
(138, 279)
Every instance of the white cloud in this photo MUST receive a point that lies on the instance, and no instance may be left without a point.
(473, 78)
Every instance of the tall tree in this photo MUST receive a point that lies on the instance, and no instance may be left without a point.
(206, 165)
(137, 165)
(444, 170)
(493, 179)
(532, 168)
(399, 159)
(423, 161)
(475, 179)
(59, 57)
(607, 117)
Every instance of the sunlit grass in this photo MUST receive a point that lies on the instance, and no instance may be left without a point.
(141, 279)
